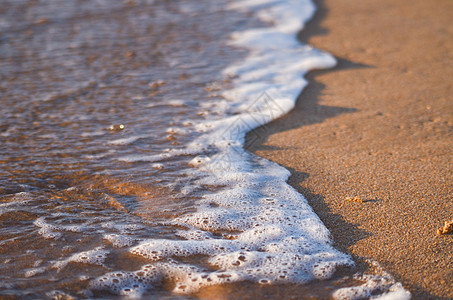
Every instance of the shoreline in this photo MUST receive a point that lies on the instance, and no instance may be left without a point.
(377, 127)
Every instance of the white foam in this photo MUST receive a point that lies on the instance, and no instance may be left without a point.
(47, 230)
(126, 141)
(131, 284)
(100, 155)
(381, 286)
(269, 232)
(137, 158)
(96, 256)
(258, 228)
(17, 200)
(93, 133)
(120, 241)
(34, 272)
(157, 166)
(174, 103)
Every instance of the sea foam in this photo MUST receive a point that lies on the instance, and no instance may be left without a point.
(256, 228)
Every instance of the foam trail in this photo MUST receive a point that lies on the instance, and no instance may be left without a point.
(258, 228)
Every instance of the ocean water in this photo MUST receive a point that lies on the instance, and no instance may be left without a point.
(123, 168)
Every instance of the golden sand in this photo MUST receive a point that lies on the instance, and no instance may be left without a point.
(378, 126)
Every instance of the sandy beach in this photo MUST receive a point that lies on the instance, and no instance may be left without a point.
(378, 127)
(120, 175)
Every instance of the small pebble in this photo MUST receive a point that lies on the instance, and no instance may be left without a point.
(447, 229)
(354, 199)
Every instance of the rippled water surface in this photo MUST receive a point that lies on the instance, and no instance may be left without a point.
(87, 88)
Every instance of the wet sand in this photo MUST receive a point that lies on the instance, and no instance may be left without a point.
(378, 127)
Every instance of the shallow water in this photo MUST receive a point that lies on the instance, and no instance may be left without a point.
(84, 83)
(122, 169)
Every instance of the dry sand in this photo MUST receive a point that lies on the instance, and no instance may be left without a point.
(379, 126)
